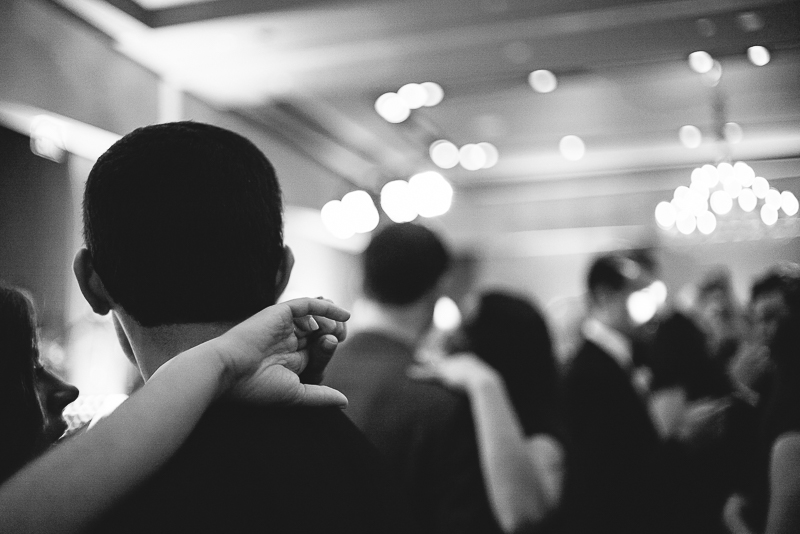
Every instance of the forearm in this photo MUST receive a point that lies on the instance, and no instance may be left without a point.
(515, 483)
(63, 490)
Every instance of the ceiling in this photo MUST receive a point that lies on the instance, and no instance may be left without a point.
(310, 71)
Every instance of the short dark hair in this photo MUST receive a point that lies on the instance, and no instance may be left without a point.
(20, 412)
(613, 271)
(184, 224)
(403, 262)
(784, 278)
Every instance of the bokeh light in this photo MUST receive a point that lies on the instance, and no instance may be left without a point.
(336, 220)
(665, 215)
(543, 81)
(720, 202)
(690, 136)
(744, 173)
(686, 223)
(758, 55)
(398, 202)
(491, 153)
(701, 62)
(446, 315)
(361, 210)
(789, 203)
(434, 93)
(732, 133)
(773, 199)
(431, 192)
(444, 154)
(747, 200)
(572, 147)
(413, 94)
(706, 222)
(392, 108)
(760, 186)
(471, 157)
(769, 214)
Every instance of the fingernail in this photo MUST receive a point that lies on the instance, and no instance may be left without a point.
(312, 323)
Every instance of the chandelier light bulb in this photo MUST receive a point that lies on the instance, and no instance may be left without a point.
(712, 175)
(743, 173)
(359, 207)
(413, 94)
(665, 215)
(686, 223)
(720, 202)
(392, 108)
(706, 222)
(760, 186)
(491, 154)
(471, 157)
(747, 200)
(432, 194)
(731, 186)
(773, 199)
(789, 203)
(732, 133)
(699, 176)
(769, 215)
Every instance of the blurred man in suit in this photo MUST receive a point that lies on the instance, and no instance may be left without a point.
(423, 430)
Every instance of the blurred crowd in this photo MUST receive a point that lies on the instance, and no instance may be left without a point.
(664, 418)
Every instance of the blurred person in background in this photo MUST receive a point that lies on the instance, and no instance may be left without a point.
(719, 315)
(67, 487)
(32, 398)
(616, 460)
(423, 430)
(503, 359)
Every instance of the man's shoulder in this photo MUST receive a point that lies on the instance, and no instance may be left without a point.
(243, 464)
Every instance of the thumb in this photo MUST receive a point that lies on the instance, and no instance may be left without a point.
(321, 396)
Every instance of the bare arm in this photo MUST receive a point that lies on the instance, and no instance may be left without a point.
(783, 516)
(63, 490)
(523, 476)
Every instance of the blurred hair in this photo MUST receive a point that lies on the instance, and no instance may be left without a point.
(402, 263)
(614, 271)
(784, 278)
(184, 224)
(21, 415)
(715, 281)
(509, 333)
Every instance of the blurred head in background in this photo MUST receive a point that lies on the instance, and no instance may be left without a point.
(32, 398)
(773, 297)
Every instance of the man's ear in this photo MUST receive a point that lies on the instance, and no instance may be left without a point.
(89, 281)
(284, 271)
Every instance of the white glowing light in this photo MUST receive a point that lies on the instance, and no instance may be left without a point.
(543, 81)
(699, 176)
(731, 186)
(413, 94)
(789, 203)
(747, 200)
(743, 173)
(760, 186)
(701, 62)
(773, 199)
(431, 192)
(47, 138)
(658, 290)
(720, 202)
(444, 154)
(758, 55)
(446, 315)
(706, 222)
(712, 175)
(471, 157)
(712, 77)
(690, 136)
(686, 223)
(572, 147)
(641, 306)
(700, 189)
(363, 214)
(392, 108)
(336, 220)
(769, 215)
(434, 93)
(681, 193)
(398, 202)
(491, 153)
(665, 215)
(732, 133)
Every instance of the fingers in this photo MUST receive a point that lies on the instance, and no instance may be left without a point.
(314, 395)
(319, 355)
(319, 307)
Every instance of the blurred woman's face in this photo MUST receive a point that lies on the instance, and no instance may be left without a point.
(54, 395)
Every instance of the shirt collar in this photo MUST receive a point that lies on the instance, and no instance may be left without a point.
(610, 340)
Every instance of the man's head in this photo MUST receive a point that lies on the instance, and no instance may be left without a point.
(183, 224)
(403, 263)
(774, 296)
(611, 280)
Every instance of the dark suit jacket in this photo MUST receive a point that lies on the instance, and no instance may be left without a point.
(252, 469)
(614, 482)
(423, 430)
